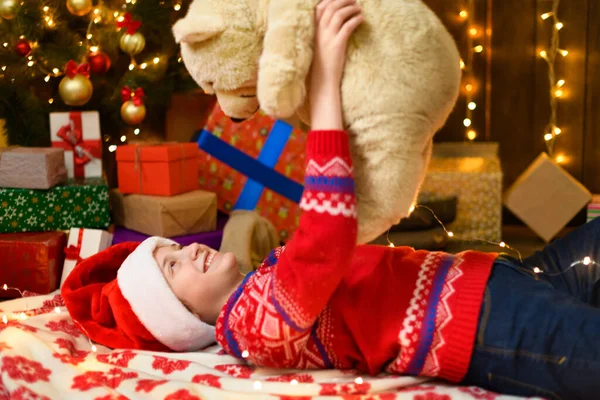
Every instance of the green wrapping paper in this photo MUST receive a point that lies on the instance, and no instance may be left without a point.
(81, 205)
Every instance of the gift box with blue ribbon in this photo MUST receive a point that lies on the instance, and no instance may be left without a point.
(257, 164)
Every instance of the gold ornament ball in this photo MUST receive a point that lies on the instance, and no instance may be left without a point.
(79, 7)
(104, 13)
(132, 114)
(75, 91)
(132, 44)
(8, 8)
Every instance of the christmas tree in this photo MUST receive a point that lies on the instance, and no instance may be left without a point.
(49, 48)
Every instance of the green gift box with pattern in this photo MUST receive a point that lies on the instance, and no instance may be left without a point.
(82, 205)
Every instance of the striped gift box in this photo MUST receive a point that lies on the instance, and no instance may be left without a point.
(593, 209)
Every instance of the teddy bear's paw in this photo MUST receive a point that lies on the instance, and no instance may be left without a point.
(280, 100)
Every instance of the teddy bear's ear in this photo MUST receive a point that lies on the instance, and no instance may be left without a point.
(197, 29)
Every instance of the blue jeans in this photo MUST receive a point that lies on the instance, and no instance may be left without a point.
(539, 334)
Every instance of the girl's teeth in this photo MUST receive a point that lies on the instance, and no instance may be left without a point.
(209, 259)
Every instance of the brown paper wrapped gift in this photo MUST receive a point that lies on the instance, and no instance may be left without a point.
(471, 172)
(32, 167)
(546, 197)
(183, 214)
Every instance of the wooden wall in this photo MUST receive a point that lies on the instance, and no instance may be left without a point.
(513, 90)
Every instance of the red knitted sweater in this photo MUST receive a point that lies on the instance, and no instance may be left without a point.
(323, 302)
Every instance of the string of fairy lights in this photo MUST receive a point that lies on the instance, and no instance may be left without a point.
(586, 261)
(550, 55)
(551, 131)
(557, 90)
(257, 384)
(474, 32)
(100, 14)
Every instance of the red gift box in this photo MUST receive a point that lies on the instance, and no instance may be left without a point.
(31, 261)
(227, 183)
(164, 169)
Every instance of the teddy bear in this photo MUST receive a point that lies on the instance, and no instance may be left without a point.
(401, 81)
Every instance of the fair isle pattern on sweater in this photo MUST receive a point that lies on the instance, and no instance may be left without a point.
(329, 188)
(432, 365)
(322, 301)
(279, 341)
(421, 337)
(285, 329)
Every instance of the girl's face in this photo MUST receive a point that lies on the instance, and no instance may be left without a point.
(201, 278)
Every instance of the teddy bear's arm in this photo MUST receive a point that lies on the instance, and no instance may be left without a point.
(287, 56)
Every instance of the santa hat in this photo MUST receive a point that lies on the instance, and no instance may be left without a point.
(120, 298)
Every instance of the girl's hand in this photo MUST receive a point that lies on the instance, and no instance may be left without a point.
(335, 21)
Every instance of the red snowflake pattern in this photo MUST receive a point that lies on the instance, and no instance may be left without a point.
(328, 389)
(169, 366)
(48, 305)
(92, 379)
(24, 393)
(432, 396)
(4, 393)
(69, 359)
(63, 326)
(478, 393)
(300, 378)
(236, 370)
(112, 397)
(295, 397)
(17, 324)
(118, 358)
(207, 379)
(383, 396)
(182, 394)
(148, 385)
(19, 367)
(66, 344)
(74, 356)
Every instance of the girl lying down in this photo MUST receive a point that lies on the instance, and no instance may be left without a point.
(476, 318)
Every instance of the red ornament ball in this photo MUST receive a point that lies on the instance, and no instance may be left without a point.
(22, 47)
(99, 63)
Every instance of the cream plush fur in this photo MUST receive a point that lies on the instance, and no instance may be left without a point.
(401, 81)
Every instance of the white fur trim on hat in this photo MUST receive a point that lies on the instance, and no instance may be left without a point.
(143, 285)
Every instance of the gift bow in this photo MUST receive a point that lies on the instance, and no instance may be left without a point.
(73, 69)
(136, 95)
(72, 252)
(129, 23)
(73, 137)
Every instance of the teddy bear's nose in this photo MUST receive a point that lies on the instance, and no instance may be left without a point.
(238, 120)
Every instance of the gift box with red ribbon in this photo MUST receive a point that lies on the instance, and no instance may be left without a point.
(82, 244)
(31, 261)
(79, 134)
